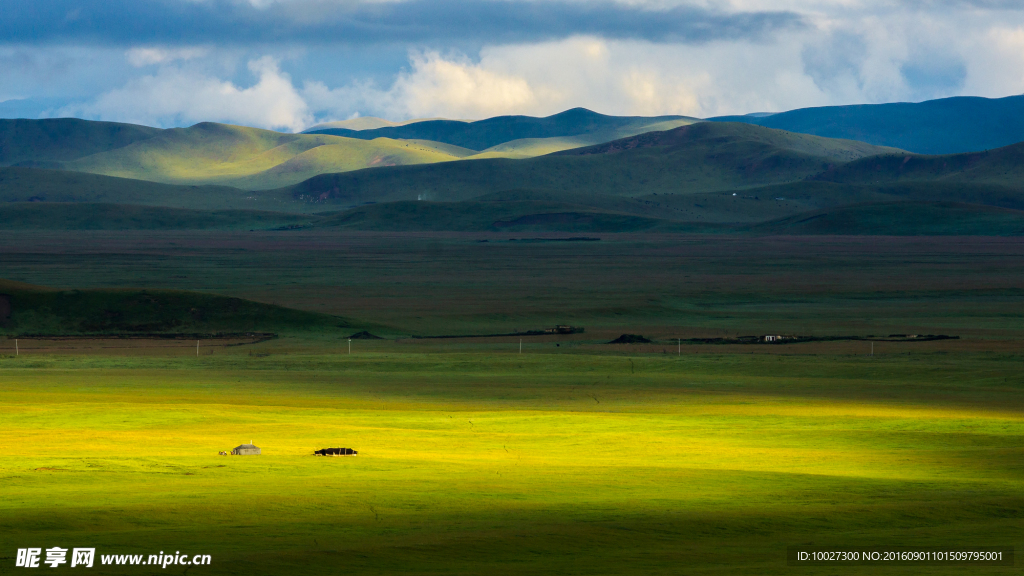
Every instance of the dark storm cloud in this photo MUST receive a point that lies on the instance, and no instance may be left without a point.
(130, 22)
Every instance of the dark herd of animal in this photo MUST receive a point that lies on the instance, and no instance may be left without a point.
(336, 452)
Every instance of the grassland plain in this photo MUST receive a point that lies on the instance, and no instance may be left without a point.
(489, 461)
(667, 284)
(101, 216)
(574, 457)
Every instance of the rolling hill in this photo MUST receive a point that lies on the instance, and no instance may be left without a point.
(1002, 167)
(207, 153)
(254, 159)
(696, 158)
(703, 177)
(531, 147)
(249, 158)
(945, 126)
(62, 139)
(484, 134)
(19, 184)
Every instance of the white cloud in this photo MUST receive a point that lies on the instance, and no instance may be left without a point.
(140, 57)
(996, 63)
(459, 88)
(852, 51)
(435, 86)
(176, 96)
(613, 77)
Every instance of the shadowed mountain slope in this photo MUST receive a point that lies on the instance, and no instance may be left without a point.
(1002, 166)
(484, 134)
(61, 139)
(19, 184)
(712, 136)
(696, 158)
(945, 126)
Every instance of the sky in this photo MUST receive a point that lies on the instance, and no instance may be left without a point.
(289, 64)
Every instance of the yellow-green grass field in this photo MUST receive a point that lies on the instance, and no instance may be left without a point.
(474, 460)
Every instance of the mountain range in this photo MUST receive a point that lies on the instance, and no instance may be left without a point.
(945, 126)
(574, 171)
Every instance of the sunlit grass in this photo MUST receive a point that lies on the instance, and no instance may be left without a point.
(251, 158)
(480, 462)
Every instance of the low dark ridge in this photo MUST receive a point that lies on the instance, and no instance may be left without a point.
(572, 239)
(630, 339)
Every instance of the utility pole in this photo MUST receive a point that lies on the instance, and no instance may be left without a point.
(520, 345)
(17, 352)
(349, 345)
(197, 348)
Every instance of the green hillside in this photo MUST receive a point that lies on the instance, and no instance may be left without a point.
(902, 219)
(450, 149)
(944, 126)
(44, 142)
(701, 157)
(709, 176)
(99, 216)
(1002, 166)
(249, 158)
(485, 134)
(255, 159)
(530, 147)
(39, 310)
(721, 138)
(39, 185)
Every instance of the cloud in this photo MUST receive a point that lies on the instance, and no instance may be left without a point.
(140, 57)
(173, 62)
(169, 22)
(996, 63)
(176, 96)
(615, 77)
